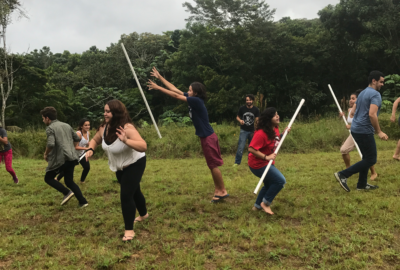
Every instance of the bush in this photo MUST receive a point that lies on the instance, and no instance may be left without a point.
(326, 134)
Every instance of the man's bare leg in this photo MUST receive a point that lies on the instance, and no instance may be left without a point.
(397, 151)
(218, 183)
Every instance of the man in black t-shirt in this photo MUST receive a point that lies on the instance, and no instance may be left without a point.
(247, 117)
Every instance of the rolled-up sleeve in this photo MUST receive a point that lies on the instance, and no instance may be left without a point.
(75, 136)
(51, 140)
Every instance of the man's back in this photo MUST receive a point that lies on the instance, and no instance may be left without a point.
(361, 122)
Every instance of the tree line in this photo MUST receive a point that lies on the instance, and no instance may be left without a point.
(234, 47)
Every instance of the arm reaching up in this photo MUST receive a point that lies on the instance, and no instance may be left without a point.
(152, 85)
(169, 85)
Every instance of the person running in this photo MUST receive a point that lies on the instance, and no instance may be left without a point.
(396, 155)
(84, 134)
(349, 144)
(363, 127)
(262, 148)
(195, 98)
(125, 149)
(247, 116)
(6, 154)
(61, 156)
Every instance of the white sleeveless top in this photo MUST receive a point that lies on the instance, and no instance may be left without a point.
(119, 154)
(349, 119)
(83, 142)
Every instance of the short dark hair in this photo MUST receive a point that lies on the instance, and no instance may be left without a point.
(250, 96)
(49, 112)
(375, 75)
(357, 92)
(200, 90)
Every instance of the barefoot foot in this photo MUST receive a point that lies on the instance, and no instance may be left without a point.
(141, 218)
(267, 208)
(396, 157)
(374, 176)
(129, 235)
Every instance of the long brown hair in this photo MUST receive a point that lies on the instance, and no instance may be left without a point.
(265, 122)
(120, 117)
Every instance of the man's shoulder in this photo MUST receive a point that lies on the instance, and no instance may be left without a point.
(256, 108)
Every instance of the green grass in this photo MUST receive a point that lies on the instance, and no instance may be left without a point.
(317, 225)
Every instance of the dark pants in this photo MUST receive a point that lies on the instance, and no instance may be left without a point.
(131, 195)
(243, 137)
(367, 145)
(68, 170)
(86, 168)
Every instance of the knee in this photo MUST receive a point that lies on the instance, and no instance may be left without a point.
(282, 181)
(344, 151)
(9, 169)
(87, 167)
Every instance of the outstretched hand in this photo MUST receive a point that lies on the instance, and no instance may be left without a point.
(152, 85)
(121, 134)
(288, 129)
(155, 73)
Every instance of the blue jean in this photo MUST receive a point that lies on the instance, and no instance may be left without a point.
(243, 137)
(274, 181)
(367, 145)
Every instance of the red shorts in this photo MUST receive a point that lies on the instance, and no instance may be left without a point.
(211, 151)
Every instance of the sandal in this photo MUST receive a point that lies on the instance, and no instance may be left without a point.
(127, 239)
(220, 198)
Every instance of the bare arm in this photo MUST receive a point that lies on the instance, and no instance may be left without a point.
(77, 147)
(373, 116)
(169, 85)
(153, 85)
(131, 137)
(4, 140)
(353, 110)
(256, 122)
(95, 142)
(260, 155)
(394, 109)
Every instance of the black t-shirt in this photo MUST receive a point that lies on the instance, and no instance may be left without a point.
(248, 116)
(4, 147)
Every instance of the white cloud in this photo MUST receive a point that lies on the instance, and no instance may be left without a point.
(77, 25)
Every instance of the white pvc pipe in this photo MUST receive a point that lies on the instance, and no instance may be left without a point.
(279, 146)
(344, 118)
(140, 88)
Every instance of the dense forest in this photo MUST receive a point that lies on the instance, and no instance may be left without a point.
(234, 47)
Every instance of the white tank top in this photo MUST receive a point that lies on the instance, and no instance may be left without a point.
(83, 142)
(349, 119)
(119, 154)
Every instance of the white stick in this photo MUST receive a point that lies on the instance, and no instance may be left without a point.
(344, 118)
(141, 91)
(81, 157)
(279, 146)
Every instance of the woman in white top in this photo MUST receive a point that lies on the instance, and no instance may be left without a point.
(83, 133)
(349, 144)
(125, 149)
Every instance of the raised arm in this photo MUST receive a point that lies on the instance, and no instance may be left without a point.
(152, 85)
(394, 109)
(169, 85)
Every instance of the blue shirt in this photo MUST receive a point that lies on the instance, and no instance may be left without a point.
(361, 123)
(199, 115)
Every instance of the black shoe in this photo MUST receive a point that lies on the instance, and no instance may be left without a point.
(342, 181)
(83, 205)
(368, 187)
(67, 197)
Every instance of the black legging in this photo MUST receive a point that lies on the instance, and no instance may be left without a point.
(131, 196)
(86, 168)
(68, 170)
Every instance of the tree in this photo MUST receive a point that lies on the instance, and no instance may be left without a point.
(7, 9)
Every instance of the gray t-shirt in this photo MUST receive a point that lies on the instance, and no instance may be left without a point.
(4, 147)
(361, 123)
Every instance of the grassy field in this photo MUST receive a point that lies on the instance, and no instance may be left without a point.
(316, 225)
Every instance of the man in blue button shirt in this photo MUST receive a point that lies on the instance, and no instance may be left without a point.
(365, 124)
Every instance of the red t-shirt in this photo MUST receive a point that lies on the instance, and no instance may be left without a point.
(265, 145)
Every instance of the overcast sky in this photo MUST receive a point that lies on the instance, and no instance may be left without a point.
(76, 25)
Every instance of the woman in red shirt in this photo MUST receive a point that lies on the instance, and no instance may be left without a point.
(262, 147)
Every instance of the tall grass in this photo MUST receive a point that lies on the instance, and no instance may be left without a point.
(325, 134)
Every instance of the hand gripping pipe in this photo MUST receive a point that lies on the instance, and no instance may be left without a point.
(344, 118)
(140, 88)
(279, 146)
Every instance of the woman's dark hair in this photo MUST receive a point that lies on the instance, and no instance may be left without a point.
(265, 122)
(81, 123)
(356, 93)
(49, 112)
(199, 90)
(120, 117)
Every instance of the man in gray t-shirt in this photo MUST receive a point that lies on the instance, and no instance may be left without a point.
(365, 124)
(6, 154)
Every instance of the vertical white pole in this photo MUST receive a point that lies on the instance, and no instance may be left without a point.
(279, 146)
(344, 118)
(140, 88)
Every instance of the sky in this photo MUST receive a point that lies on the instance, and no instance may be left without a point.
(79, 24)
